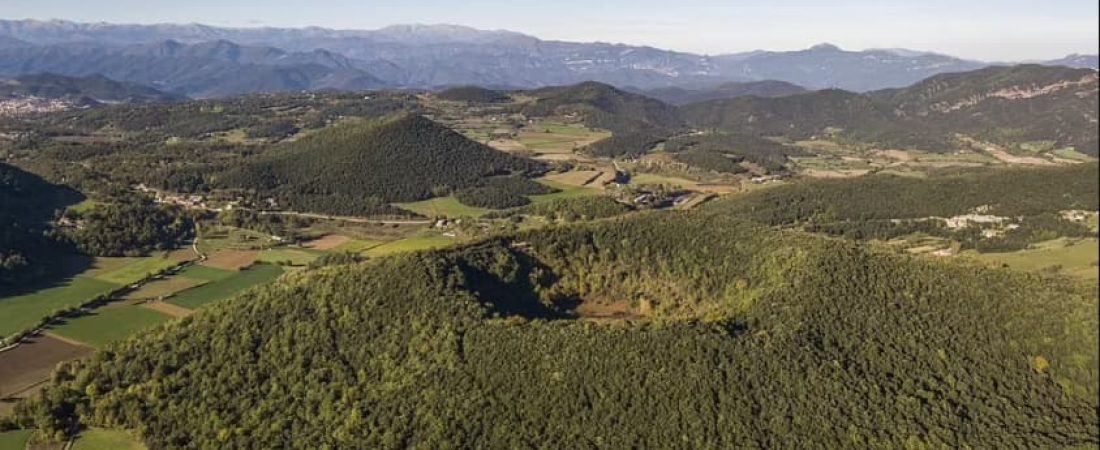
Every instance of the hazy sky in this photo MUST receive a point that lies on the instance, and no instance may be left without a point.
(980, 29)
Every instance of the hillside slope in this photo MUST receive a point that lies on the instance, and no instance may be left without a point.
(27, 203)
(93, 89)
(747, 338)
(1004, 105)
(361, 167)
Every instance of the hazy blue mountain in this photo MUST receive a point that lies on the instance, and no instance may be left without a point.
(207, 69)
(95, 88)
(828, 66)
(1076, 61)
(432, 56)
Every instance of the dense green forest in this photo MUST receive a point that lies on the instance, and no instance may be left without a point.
(27, 204)
(570, 209)
(740, 336)
(473, 94)
(885, 206)
(127, 224)
(502, 192)
(605, 107)
(359, 168)
(722, 152)
(1004, 192)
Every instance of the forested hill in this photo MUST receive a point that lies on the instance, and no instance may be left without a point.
(738, 337)
(603, 106)
(683, 96)
(27, 203)
(1003, 105)
(359, 168)
(90, 89)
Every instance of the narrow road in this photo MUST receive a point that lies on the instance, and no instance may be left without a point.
(346, 218)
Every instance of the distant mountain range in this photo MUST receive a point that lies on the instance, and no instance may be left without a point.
(82, 90)
(206, 61)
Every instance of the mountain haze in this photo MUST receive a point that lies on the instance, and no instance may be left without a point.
(429, 56)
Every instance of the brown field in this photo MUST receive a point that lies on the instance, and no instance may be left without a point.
(562, 157)
(606, 309)
(168, 308)
(507, 145)
(163, 287)
(182, 255)
(231, 259)
(327, 242)
(576, 177)
(818, 173)
(24, 367)
(900, 155)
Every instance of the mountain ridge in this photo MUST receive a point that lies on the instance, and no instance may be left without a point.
(429, 56)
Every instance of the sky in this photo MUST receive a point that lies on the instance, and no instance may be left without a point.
(1006, 30)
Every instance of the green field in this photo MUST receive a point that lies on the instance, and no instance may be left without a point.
(225, 288)
(356, 246)
(443, 207)
(296, 257)
(136, 269)
(1071, 153)
(84, 206)
(14, 440)
(565, 191)
(652, 178)
(207, 273)
(24, 311)
(411, 244)
(229, 238)
(1075, 258)
(555, 137)
(104, 439)
(109, 324)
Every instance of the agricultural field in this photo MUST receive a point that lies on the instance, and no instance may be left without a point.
(24, 311)
(575, 177)
(105, 439)
(410, 245)
(133, 270)
(356, 246)
(230, 259)
(1072, 154)
(14, 440)
(1073, 257)
(206, 273)
(164, 287)
(230, 238)
(295, 257)
(327, 242)
(448, 207)
(24, 367)
(227, 287)
(566, 191)
(108, 324)
(548, 137)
